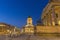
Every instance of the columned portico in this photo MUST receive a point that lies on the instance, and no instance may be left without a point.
(51, 13)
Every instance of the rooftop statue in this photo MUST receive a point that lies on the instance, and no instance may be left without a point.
(54, 0)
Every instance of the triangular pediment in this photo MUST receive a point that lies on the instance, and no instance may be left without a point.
(54, 0)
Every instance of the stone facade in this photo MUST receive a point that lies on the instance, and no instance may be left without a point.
(6, 29)
(51, 13)
(47, 29)
(50, 18)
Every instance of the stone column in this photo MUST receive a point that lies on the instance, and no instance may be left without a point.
(53, 16)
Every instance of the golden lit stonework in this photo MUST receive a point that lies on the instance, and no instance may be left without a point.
(51, 13)
(50, 18)
(29, 21)
(6, 29)
(29, 27)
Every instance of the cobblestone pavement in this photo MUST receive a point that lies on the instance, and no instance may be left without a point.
(28, 37)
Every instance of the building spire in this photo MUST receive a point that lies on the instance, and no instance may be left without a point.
(29, 17)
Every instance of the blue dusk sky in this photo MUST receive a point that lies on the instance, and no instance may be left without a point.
(15, 12)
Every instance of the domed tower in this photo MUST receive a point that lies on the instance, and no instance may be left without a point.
(29, 21)
(29, 27)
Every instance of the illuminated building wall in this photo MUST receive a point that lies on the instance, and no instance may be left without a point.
(47, 29)
(51, 13)
(7, 29)
(29, 27)
(29, 21)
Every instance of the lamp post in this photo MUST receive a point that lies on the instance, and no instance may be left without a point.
(14, 31)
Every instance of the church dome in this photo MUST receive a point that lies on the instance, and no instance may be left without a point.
(29, 17)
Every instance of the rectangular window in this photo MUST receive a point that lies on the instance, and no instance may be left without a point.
(56, 15)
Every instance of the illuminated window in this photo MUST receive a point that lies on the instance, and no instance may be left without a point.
(53, 23)
(59, 22)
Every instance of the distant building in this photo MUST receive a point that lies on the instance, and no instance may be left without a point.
(51, 13)
(29, 27)
(6, 29)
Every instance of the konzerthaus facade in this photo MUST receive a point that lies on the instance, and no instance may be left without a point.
(50, 18)
(51, 13)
